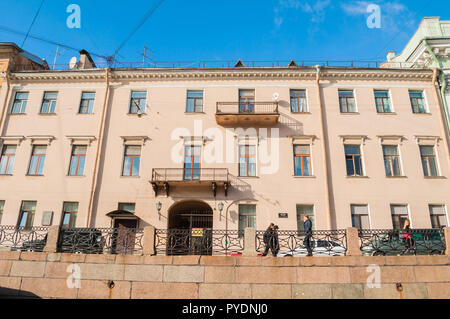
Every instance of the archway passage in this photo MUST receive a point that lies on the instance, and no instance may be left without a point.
(190, 229)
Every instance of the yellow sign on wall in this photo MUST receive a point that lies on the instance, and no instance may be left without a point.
(197, 232)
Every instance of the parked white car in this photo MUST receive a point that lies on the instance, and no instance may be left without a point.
(320, 248)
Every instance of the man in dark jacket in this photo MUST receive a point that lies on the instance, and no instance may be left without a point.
(270, 239)
(307, 225)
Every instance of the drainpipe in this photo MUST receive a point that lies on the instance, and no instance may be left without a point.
(5, 101)
(328, 191)
(443, 80)
(99, 144)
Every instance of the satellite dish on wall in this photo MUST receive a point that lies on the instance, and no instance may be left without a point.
(275, 96)
(73, 63)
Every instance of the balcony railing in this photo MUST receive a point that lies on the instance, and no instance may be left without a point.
(123, 241)
(382, 242)
(292, 243)
(188, 174)
(247, 108)
(19, 239)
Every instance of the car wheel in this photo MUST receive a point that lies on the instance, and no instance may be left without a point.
(436, 252)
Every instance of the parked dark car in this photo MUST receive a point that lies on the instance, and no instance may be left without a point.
(89, 241)
(32, 245)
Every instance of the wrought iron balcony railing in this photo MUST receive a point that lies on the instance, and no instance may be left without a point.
(19, 239)
(246, 108)
(123, 241)
(382, 242)
(198, 242)
(292, 243)
(189, 174)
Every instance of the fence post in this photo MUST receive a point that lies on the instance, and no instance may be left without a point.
(148, 240)
(51, 246)
(249, 242)
(447, 240)
(353, 246)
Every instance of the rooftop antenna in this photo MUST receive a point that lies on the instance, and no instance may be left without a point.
(57, 54)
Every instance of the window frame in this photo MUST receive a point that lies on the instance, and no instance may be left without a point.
(72, 215)
(400, 218)
(30, 216)
(9, 156)
(38, 161)
(246, 215)
(78, 158)
(247, 102)
(130, 105)
(49, 103)
(445, 214)
(88, 99)
(298, 99)
(434, 156)
(389, 100)
(22, 108)
(423, 98)
(299, 216)
(132, 161)
(391, 163)
(195, 99)
(359, 215)
(247, 157)
(2, 208)
(346, 101)
(302, 156)
(193, 157)
(353, 161)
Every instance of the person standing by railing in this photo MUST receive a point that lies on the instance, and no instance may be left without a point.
(408, 237)
(307, 225)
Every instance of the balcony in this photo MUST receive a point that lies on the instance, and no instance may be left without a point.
(232, 114)
(164, 178)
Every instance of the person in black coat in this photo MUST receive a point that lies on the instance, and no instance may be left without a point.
(307, 225)
(270, 239)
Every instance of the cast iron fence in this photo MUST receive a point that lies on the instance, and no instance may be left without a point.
(189, 174)
(20, 239)
(123, 241)
(381, 242)
(291, 243)
(199, 242)
(247, 107)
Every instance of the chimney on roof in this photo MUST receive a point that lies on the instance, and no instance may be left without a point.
(86, 61)
(390, 56)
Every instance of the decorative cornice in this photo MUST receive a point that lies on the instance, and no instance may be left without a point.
(306, 73)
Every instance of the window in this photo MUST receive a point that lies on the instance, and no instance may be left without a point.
(417, 102)
(302, 160)
(77, 160)
(129, 207)
(49, 102)
(69, 217)
(246, 101)
(247, 160)
(138, 102)
(303, 210)
(382, 101)
(87, 103)
(360, 216)
(131, 161)
(2, 205)
(428, 159)
(192, 162)
(26, 215)
(194, 103)
(298, 101)
(347, 101)
(391, 160)
(7, 159)
(353, 160)
(438, 216)
(20, 103)
(37, 160)
(399, 215)
(247, 217)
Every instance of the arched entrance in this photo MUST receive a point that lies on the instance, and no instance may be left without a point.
(190, 228)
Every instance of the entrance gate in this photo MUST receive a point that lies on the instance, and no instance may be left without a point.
(190, 229)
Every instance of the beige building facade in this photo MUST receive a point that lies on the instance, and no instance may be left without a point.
(225, 148)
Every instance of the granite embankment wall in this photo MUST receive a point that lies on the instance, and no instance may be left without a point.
(189, 277)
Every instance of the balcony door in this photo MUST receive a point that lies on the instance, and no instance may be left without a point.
(246, 101)
(192, 162)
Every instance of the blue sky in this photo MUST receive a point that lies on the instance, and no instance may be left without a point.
(221, 29)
